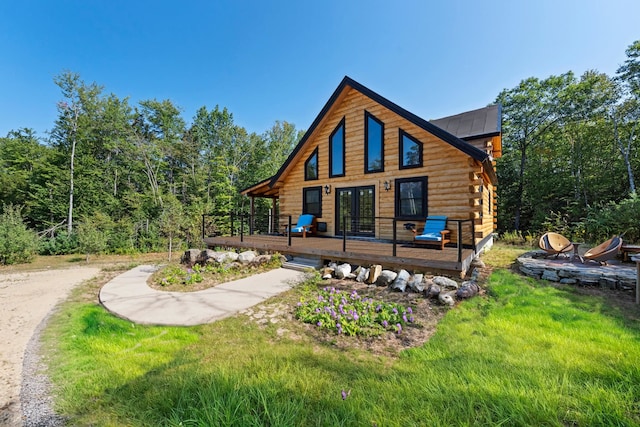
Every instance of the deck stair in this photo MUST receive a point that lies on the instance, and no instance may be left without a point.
(303, 264)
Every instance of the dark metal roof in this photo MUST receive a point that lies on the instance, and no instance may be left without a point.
(472, 124)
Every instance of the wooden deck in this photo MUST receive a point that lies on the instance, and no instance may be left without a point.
(364, 252)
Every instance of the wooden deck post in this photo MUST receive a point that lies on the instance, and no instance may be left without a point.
(242, 227)
(289, 232)
(231, 218)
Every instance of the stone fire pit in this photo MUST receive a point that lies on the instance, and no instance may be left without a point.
(564, 270)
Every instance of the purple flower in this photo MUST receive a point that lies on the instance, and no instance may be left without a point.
(345, 394)
(355, 316)
(317, 310)
(319, 323)
(395, 310)
(411, 319)
(299, 304)
(399, 326)
(320, 299)
(385, 323)
(379, 307)
(404, 318)
(409, 310)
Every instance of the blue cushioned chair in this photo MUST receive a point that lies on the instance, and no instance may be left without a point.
(306, 225)
(435, 232)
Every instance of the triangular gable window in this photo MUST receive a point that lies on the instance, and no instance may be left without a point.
(410, 151)
(311, 166)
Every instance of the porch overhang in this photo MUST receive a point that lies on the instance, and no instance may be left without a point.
(262, 189)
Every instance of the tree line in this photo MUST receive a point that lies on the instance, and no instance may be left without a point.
(111, 176)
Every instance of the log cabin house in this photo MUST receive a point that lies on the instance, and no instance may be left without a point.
(369, 168)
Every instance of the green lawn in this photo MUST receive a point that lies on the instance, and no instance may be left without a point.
(524, 354)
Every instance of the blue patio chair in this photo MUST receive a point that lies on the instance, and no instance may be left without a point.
(435, 232)
(306, 225)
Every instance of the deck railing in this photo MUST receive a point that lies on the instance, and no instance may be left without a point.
(245, 224)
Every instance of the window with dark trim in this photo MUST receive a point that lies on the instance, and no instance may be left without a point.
(411, 197)
(336, 151)
(311, 166)
(410, 151)
(312, 201)
(374, 144)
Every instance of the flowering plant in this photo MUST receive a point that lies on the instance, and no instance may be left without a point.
(350, 314)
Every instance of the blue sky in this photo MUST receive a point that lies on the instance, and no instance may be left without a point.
(281, 60)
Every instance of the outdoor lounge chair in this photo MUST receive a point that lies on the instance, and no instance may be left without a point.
(434, 233)
(605, 251)
(306, 225)
(555, 244)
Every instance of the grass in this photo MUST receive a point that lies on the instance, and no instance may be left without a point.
(525, 354)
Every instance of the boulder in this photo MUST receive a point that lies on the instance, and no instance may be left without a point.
(550, 275)
(374, 273)
(468, 290)
(386, 277)
(342, 271)
(416, 283)
(363, 275)
(246, 257)
(401, 280)
(190, 257)
(445, 282)
(204, 256)
(446, 298)
(477, 263)
(260, 260)
(222, 257)
(433, 291)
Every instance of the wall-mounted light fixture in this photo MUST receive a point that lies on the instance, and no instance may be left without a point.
(327, 189)
(387, 185)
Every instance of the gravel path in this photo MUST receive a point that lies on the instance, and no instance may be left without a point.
(26, 301)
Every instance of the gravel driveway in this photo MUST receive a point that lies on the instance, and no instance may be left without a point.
(26, 300)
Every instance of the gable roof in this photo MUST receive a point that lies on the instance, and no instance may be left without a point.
(480, 123)
(346, 83)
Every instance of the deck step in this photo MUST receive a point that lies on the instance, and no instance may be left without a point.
(302, 264)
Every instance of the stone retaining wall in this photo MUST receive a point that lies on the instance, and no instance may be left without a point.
(562, 270)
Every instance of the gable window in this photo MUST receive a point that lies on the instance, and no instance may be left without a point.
(336, 151)
(374, 144)
(410, 151)
(311, 166)
(312, 201)
(411, 197)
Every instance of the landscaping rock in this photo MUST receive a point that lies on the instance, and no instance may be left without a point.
(246, 257)
(363, 275)
(477, 263)
(203, 256)
(342, 271)
(550, 275)
(467, 290)
(416, 283)
(433, 291)
(260, 260)
(445, 282)
(374, 273)
(447, 298)
(568, 281)
(386, 277)
(190, 257)
(222, 257)
(400, 282)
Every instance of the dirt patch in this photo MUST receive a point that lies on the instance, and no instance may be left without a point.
(26, 299)
(427, 313)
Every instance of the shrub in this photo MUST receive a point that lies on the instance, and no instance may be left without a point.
(613, 218)
(17, 243)
(60, 244)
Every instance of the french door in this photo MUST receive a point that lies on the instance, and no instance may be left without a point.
(355, 211)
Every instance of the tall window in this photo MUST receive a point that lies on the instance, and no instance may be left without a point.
(311, 166)
(312, 201)
(410, 151)
(374, 144)
(411, 197)
(336, 151)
